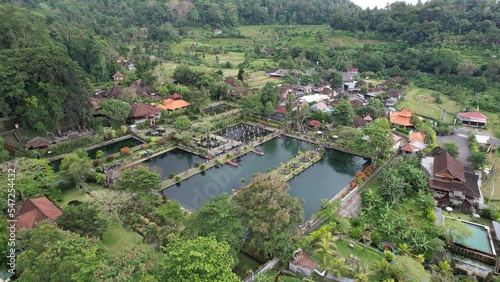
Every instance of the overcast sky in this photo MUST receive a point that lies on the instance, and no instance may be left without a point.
(379, 3)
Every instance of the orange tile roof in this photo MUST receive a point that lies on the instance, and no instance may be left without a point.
(417, 136)
(36, 210)
(402, 118)
(171, 104)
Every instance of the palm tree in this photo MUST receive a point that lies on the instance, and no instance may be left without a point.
(443, 271)
(337, 266)
(325, 246)
(382, 269)
(361, 276)
(478, 159)
(403, 249)
(109, 132)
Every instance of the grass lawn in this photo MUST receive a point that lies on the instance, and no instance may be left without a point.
(117, 238)
(421, 102)
(73, 194)
(493, 124)
(491, 188)
(369, 255)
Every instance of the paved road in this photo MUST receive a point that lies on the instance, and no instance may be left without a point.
(462, 140)
(466, 131)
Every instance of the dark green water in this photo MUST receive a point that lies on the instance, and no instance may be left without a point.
(112, 148)
(323, 180)
(218, 109)
(175, 161)
(115, 147)
(192, 192)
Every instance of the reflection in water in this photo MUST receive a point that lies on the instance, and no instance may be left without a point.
(175, 161)
(114, 148)
(323, 180)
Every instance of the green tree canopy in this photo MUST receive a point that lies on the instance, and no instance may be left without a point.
(82, 219)
(35, 178)
(139, 180)
(379, 140)
(55, 255)
(343, 113)
(115, 110)
(200, 259)
(73, 168)
(478, 159)
(270, 215)
(221, 219)
(450, 147)
(182, 122)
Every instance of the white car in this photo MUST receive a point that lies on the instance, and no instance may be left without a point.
(392, 109)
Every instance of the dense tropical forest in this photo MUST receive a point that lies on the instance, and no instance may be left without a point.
(446, 38)
(57, 57)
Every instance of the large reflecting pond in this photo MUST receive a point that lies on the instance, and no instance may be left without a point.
(323, 180)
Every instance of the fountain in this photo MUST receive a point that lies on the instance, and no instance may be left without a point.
(209, 142)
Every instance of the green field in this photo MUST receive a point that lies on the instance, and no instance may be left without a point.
(421, 102)
(73, 194)
(117, 238)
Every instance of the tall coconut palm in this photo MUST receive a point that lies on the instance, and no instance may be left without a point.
(326, 247)
(443, 271)
(382, 269)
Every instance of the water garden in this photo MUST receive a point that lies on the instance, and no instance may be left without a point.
(328, 176)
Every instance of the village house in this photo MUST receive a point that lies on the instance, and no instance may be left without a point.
(476, 119)
(37, 143)
(143, 112)
(118, 77)
(35, 210)
(320, 106)
(173, 102)
(402, 118)
(453, 182)
(302, 263)
(358, 122)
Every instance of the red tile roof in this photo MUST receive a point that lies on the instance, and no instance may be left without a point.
(142, 110)
(172, 105)
(281, 110)
(36, 210)
(314, 123)
(118, 74)
(472, 115)
(444, 164)
(401, 118)
(417, 136)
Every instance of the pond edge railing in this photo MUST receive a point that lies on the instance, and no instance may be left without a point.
(313, 223)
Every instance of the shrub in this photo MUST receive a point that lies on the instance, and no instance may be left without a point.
(361, 175)
(368, 170)
(202, 167)
(171, 175)
(125, 151)
(177, 178)
(96, 162)
(145, 146)
(110, 157)
(353, 184)
(161, 142)
(99, 154)
(196, 164)
(228, 156)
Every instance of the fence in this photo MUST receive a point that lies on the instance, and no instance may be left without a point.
(263, 269)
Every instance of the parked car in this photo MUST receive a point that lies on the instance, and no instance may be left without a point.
(392, 109)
